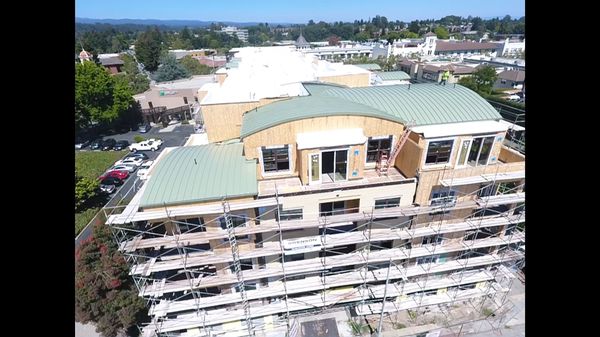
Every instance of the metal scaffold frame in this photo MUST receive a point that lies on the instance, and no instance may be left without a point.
(338, 285)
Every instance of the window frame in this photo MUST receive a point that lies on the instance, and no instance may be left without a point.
(479, 152)
(387, 199)
(379, 139)
(424, 163)
(295, 212)
(275, 147)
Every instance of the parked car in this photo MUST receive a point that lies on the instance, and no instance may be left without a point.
(80, 143)
(119, 174)
(109, 180)
(144, 128)
(107, 188)
(96, 144)
(121, 145)
(137, 161)
(108, 144)
(513, 98)
(143, 170)
(125, 167)
(150, 144)
(137, 155)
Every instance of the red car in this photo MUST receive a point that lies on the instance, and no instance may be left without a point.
(121, 174)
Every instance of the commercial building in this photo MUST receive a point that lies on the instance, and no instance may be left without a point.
(370, 199)
(242, 34)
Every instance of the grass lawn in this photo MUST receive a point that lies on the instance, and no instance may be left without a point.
(92, 164)
(84, 217)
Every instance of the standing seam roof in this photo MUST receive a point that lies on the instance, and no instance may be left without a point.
(200, 173)
(425, 104)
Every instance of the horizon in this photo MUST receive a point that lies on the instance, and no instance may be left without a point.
(277, 12)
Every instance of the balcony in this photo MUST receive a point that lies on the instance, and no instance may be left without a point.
(292, 186)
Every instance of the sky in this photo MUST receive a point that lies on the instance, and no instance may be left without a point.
(295, 11)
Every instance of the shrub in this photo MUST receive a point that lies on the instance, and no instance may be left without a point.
(185, 121)
(487, 312)
(138, 139)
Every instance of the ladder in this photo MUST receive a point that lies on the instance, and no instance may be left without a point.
(237, 265)
(383, 163)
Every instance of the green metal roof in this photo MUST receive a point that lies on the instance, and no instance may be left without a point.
(200, 173)
(425, 104)
(369, 66)
(392, 75)
(298, 108)
(315, 88)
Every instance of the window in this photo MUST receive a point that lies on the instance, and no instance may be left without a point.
(331, 208)
(443, 197)
(276, 159)
(464, 149)
(428, 259)
(290, 214)
(191, 225)
(185, 100)
(433, 239)
(386, 203)
(439, 152)
(480, 151)
(376, 147)
(150, 105)
(503, 81)
(237, 221)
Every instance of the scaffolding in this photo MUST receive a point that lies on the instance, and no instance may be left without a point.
(197, 281)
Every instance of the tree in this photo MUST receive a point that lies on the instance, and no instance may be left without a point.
(469, 82)
(481, 81)
(333, 40)
(442, 32)
(100, 98)
(485, 78)
(85, 190)
(104, 293)
(414, 27)
(93, 95)
(194, 67)
(170, 70)
(392, 36)
(137, 81)
(148, 48)
(362, 36)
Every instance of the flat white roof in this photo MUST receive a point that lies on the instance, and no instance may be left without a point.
(266, 72)
(339, 137)
(195, 82)
(455, 129)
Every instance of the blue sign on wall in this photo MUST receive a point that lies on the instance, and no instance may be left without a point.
(354, 173)
(356, 152)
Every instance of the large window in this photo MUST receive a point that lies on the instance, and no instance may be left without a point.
(433, 239)
(331, 208)
(290, 214)
(443, 197)
(276, 159)
(480, 151)
(237, 221)
(439, 152)
(375, 147)
(386, 203)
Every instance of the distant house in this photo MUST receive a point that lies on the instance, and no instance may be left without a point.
(510, 79)
(113, 64)
(466, 48)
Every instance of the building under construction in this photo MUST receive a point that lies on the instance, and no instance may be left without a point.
(373, 200)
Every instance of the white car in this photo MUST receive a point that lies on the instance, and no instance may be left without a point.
(150, 144)
(142, 173)
(124, 167)
(137, 161)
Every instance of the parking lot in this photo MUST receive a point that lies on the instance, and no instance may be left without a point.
(176, 135)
